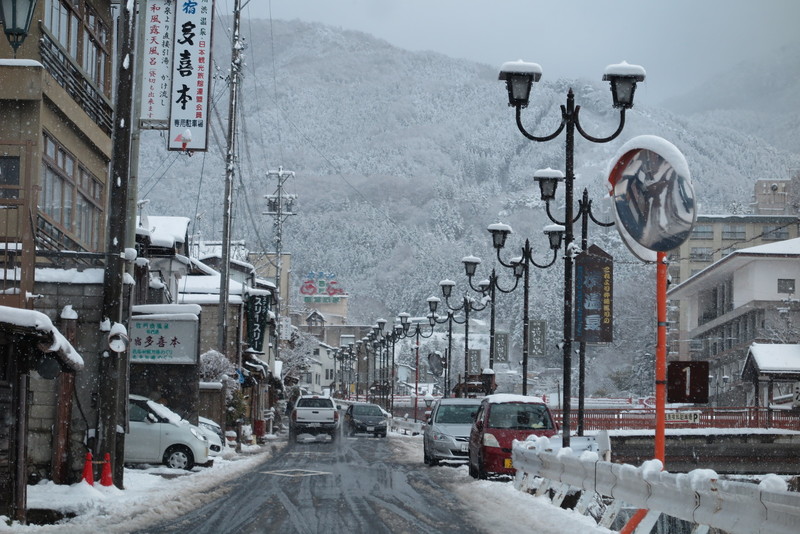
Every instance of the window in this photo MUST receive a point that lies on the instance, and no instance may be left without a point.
(703, 231)
(786, 285)
(9, 177)
(774, 233)
(701, 254)
(733, 231)
(71, 196)
(83, 36)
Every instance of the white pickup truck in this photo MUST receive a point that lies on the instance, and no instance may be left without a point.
(314, 414)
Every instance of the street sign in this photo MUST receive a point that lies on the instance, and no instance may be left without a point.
(594, 296)
(474, 364)
(682, 417)
(500, 347)
(687, 382)
(536, 337)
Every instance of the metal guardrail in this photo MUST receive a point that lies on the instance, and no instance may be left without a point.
(699, 496)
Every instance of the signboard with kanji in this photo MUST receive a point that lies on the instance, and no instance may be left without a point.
(500, 347)
(166, 339)
(594, 299)
(687, 382)
(191, 75)
(536, 337)
(157, 63)
(257, 317)
(474, 363)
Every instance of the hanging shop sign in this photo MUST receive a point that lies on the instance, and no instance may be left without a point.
(191, 75)
(257, 309)
(594, 296)
(501, 347)
(164, 338)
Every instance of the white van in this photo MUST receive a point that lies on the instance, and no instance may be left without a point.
(159, 435)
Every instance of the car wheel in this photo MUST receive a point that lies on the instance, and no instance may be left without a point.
(473, 472)
(425, 458)
(333, 436)
(179, 457)
(481, 471)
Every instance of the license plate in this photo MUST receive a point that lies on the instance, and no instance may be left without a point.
(313, 425)
(507, 463)
(370, 429)
(464, 447)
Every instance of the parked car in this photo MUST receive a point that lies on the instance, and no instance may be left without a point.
(365, 417)
(213, 432)
(159, 435)
(446, 434)
(500, 420)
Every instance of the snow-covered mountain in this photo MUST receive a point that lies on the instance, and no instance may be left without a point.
(402, 160)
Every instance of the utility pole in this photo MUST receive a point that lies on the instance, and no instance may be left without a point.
(230, 164)
(280, 206)
(114, 365)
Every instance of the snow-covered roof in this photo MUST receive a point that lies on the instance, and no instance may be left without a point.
(510, 397)
(772, 359)
(164, 231)
(40, 322)
(167, 308)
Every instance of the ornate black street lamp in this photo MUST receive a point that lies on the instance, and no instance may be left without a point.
(433, 304)
(405, 323)
(467, 305)
(519, 77)
(522, 267)
(490, 287)
(16, 16)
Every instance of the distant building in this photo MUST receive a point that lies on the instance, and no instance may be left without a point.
(746, 297)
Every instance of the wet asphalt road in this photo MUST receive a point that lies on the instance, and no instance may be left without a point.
(353, 485)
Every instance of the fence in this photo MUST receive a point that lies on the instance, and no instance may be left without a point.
(709, 417)
(698, 497)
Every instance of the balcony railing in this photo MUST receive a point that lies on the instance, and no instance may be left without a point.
(69, 76)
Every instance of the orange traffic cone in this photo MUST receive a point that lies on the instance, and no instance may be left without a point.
(88, 469)
(105, 476)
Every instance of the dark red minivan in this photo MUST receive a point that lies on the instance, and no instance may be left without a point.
(500, 420)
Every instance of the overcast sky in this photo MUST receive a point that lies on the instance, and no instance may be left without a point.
(680, 43)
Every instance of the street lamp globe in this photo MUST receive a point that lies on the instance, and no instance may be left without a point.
(548, 182)
(623, 78)
(555, 234)
(519, 77)
(16, 15)
(447, 287)
(433, 303)
(500, 233)
(470, 265)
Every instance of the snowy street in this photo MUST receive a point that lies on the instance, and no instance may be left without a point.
(356, 484)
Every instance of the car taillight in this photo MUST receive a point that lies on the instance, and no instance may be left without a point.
(335, 416)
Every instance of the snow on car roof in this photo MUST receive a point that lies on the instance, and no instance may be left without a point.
(509, 397)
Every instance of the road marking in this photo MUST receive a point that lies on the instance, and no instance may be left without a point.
(295, 473)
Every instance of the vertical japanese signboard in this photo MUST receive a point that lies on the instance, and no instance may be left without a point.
(157, 63)
(170, 339)
(501, 347)
(257, 316)
(594, 276)
(191, 74)
(474, 363)
(536, 337)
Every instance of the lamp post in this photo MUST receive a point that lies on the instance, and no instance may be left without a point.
(333, 354)
(405, 323)
(350, 359)
(521, 266)
(467, 305)
(519, 77)
(16, 16)
(433, 304)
